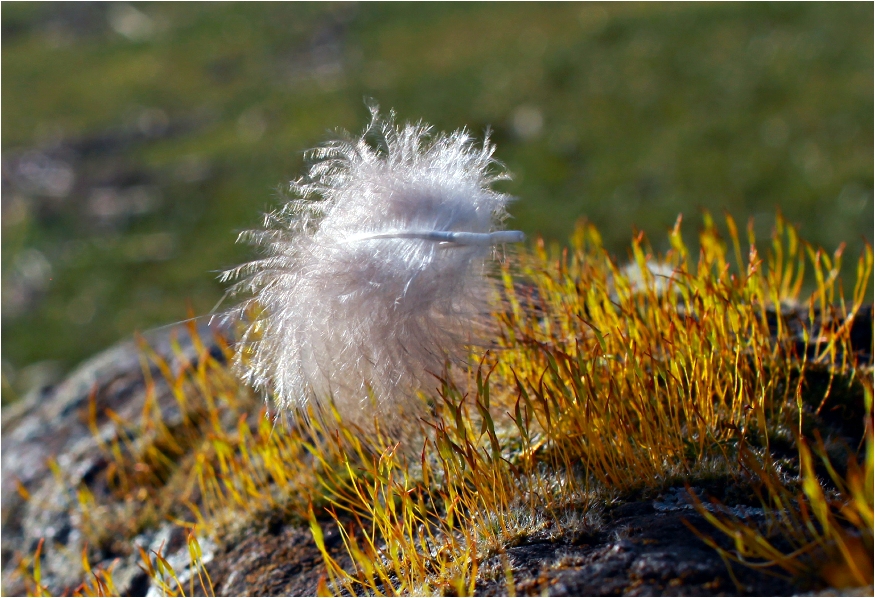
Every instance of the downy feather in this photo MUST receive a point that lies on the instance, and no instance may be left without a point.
(374, 275)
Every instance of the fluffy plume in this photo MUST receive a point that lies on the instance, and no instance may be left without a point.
(374, 274)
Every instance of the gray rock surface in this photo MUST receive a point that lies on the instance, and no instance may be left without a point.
(53, 424)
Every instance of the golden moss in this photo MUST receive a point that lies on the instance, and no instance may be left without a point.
(605, 381)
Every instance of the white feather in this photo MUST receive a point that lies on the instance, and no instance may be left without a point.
(374, 273)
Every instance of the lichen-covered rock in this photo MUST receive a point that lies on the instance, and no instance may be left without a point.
(49, 450)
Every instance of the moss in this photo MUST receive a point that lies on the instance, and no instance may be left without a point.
(602, 397)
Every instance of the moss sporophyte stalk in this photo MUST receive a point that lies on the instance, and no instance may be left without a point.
(583, 383)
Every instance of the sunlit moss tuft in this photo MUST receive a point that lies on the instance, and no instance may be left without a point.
(606, 383)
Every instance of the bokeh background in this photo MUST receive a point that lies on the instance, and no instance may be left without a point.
(138, 139)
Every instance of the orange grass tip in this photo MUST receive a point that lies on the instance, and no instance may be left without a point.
(374, 274)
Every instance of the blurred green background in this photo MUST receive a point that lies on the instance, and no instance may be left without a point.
(137, 139)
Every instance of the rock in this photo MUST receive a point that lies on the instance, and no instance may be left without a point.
(54, 425)
(639, 552)
(274, 560)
